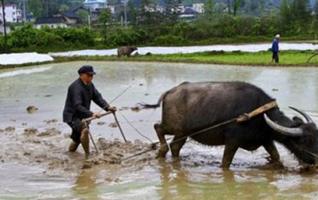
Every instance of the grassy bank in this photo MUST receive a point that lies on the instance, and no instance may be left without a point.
(287, 58)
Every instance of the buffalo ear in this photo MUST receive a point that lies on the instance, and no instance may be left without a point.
(297, 121)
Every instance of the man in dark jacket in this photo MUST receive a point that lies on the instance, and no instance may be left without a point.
(275, 49)
(77, 107)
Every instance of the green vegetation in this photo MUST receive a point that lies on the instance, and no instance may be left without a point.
(27, 38)
(288, 58)
(220, 23)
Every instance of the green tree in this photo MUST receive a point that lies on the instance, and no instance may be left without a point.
(314, 25)
(36, 7)
(83, 15)
(229, 6)
(208, 8)
(236, 6)
(63, 8)
(261, 6)
(45, 6)
(316, 9)
(285, 14)
(144, 12)
(172, 11)
(300, 10)
(132, 13)
(105, 19)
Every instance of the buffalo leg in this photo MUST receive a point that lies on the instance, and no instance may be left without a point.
(229, 152)
(176, 145)
(272, 150)
(163, 142)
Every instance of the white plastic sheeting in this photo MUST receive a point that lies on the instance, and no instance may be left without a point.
(192, 49)
(23, 58)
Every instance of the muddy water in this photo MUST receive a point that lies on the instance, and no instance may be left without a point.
(35, 164)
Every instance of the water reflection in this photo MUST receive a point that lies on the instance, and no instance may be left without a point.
(165, 180)
(85, 186)
(178, 182)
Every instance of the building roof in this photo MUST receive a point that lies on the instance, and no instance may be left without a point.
(94, 1)
(8, 5)
(50, 20)
(71, 14)
(190, 11)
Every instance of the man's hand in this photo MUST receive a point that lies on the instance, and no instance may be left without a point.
(112, 109)
(96, 115)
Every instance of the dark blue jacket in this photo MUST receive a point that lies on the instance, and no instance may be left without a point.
(78, 101)
(275, 46)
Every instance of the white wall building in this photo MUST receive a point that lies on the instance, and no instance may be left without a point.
(51, 22)
(95, 4)
(112, 9)
(199, 7)
(13, 14)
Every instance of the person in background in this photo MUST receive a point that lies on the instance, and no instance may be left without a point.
(275, 49)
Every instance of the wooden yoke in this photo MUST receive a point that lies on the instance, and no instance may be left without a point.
(256, 112)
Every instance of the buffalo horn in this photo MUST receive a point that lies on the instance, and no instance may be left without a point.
(295, 132)
(305, 115)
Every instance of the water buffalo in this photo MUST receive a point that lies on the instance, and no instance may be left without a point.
(190, 107)
(125, 51)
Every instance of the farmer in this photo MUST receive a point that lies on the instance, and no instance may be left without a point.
(77, 107)
(275, 49)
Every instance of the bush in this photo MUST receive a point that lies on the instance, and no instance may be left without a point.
(225, 27)
(47, 39)
(246, 26)
(182, 29)
(2, 48)
(121, 37)
(218, 28)
(76, 36)
(23, 37)
(168, 40)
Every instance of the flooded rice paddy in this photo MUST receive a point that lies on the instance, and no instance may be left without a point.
(35, 164)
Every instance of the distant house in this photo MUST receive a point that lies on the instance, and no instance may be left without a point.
(71, 17)
(13, 14)
(52, 22)
(198, 7)
(95, 4)
(188, 14)
(112, 9)
(180, 9)
(160, 8)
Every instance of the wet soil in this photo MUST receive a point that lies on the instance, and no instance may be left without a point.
(48, 148)
(35, 162)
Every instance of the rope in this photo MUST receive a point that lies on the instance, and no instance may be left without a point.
(239, 119)
(120, 94)
(138, 154)
(152, 148)
(137, 131)
(182, 138)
